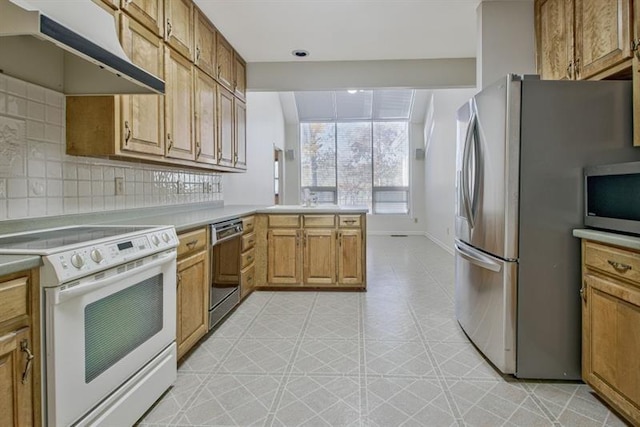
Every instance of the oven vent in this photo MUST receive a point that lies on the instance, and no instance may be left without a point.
(121, 269)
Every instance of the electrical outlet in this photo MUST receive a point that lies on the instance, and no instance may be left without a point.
(415, 220)
(447, 231)
(119, 185)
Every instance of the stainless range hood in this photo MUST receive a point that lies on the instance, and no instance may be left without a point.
(70, 46)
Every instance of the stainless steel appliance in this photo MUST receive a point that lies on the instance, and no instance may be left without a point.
(612, 197)
(109, 319)
(521, 149)
(225, 269)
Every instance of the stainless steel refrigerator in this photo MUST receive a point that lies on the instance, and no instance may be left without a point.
(522, 144)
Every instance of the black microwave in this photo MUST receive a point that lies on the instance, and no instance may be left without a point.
(612, 197)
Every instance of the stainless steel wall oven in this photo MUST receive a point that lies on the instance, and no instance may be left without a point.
(225, 269)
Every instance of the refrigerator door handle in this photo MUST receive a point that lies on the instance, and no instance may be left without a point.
(465, 170)
(478, 259)
(477, 167)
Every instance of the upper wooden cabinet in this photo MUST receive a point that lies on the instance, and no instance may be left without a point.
(225, 72)
(206, 115)
(142, 118)
(205, 44)
(226, 151)
(149, 13)
(240, 135)
(240, 79)
(179, 107)
(582, 39)
(179, 26)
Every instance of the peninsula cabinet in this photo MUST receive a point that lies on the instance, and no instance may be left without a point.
(149, 13)
(583, 39)
(611, 325)
(19, 350)
(178, 31)
(315, 251)
(178, 107)
(192, 289)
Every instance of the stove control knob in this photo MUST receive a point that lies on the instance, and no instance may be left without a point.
(155, 240)
(96, 255)
(166, 237)
(77, 261)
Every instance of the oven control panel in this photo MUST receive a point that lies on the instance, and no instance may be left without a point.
(93, 258)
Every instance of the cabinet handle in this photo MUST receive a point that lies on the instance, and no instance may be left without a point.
(197, 53)
(583, 293)
(191, 244)
(249, 258)
(350, 221)
(340, 239)
(235, 159)
(570, 69)
(635, 47)
(170, 142)
(24, 347)
(199, 149)
(251, 241)
(168, 28)
(179, 279)
(127, 133)
(219, 70)
(619, 267)
(577, 68)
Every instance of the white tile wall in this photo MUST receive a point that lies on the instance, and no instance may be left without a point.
(37, 177)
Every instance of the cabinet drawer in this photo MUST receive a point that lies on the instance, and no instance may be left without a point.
(13, 298)
(192, 241)
(247, 258)
(248, 223)
(325, 221)
(247, 277)
(291, 221)
(348, 221)
(617, 262)
(248, 241)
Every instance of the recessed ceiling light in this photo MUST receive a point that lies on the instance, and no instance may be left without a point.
(299, 53)
(352, 91)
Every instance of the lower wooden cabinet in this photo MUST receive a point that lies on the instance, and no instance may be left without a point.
(611, 326)
(192, 290)
(19, 350)
(315, 250)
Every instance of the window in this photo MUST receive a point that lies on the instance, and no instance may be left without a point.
(356, 163)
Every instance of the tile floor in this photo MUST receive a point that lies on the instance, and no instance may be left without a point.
(391, 356)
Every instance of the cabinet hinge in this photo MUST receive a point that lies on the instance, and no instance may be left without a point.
(635, 44)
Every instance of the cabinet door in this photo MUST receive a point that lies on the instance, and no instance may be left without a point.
(240, 134)
(178, 107)
(149, 13)
(205, 36)
(224, 56)
(283, 256)
(554, 39)
(179, 26)
(240, 73)
(319, 257)
(193, 298)
(350, 261)
(142, 116)
(16, 395)
(226, 151)
(205, 118)
(611, 342)
(603, 35)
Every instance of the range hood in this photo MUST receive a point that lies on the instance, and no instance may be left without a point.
(70, 46)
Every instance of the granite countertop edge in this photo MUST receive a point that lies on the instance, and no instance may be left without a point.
(192, 216)
(623, 240)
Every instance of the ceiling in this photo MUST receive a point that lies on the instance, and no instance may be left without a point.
(339, 30)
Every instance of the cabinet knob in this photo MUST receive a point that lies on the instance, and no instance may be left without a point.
(197, 53)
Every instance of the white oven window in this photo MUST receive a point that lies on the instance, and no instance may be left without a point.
(119, 323)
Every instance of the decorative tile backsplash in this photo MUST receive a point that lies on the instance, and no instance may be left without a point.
(38, 179)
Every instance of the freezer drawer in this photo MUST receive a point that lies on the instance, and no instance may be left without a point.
(485, 303)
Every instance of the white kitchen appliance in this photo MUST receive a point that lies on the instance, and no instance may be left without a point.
(522, 146)
(108, 319)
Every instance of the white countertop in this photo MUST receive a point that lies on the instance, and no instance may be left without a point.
(623, 240)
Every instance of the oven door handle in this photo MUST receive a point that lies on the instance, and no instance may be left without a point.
(61, 295)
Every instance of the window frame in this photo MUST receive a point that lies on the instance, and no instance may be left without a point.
(374, 188)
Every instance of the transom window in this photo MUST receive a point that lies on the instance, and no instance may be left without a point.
(357, 152)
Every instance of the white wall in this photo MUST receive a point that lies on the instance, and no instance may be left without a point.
(439, 166)
(505, 40)
(265, 131)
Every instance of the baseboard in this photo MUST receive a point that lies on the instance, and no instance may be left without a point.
(439, 243)
(391, 233)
